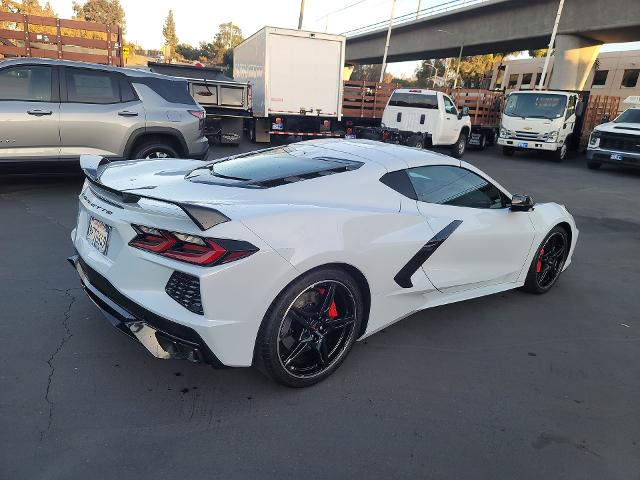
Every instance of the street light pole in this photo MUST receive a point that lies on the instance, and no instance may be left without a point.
(386, 46)
(551, 42)
(301, 15)
(455, 82)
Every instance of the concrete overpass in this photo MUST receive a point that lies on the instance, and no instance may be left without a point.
(510, 25)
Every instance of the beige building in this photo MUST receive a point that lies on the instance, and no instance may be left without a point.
(614, 73)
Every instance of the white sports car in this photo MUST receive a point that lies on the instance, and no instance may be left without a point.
(284, 257)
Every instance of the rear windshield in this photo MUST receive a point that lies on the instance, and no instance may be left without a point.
(172, 90)
(414, 100)
(270, 168)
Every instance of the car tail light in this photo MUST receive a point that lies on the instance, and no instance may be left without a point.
(190, 248)
(385, 136)
(349, 131)
(278, 121)
(197, 113)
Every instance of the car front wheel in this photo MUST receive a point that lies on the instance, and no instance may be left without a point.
(310, 328)
(458, 148)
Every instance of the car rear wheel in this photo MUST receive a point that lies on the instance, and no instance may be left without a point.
(548, 262)
(508, 151)
(155, 149)
(310, 328)
(415, 141)
(458, 148)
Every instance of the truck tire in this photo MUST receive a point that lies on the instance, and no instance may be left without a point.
(482, 143)
(252, 131)
(415, 141)
(561, 154)
(508, 151)
(491, 138)
(594, 165)
(458, 148)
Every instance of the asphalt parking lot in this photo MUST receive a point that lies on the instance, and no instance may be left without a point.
(504, 387)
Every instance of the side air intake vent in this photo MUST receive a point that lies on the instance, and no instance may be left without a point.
(185, 289)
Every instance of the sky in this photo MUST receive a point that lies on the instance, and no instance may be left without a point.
(198, 20)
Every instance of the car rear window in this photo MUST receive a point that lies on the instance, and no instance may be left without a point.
(171, 89)
(414, 100)
(271, 168)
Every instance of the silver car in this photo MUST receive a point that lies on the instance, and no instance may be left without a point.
(57, 110)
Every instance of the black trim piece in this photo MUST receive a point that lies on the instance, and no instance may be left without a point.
(203, 217)
(403, 277)
(400, 182)
(121, 309)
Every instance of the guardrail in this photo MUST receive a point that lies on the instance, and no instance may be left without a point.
(445, 7)
(48, 37)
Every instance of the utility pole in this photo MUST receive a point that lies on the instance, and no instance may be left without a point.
(435, 74)
(455, 82)
(386, 47)
(301, 15)
(551, 42)
(418, 9)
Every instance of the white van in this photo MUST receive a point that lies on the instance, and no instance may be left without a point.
(421, 118)
(540, 121)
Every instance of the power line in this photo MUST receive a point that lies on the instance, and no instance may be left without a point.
(340, 10)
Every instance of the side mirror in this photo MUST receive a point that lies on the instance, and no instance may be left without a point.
(522, 203)
(579, 108)
(465, 111)
(460, 115)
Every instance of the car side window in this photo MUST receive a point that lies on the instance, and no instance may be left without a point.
(26, 83)
(449, 107)
(449, 185)
(91, 86)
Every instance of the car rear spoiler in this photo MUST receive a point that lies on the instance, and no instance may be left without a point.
(203, 216)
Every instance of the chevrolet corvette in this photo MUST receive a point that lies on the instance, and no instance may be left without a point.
(282, 258)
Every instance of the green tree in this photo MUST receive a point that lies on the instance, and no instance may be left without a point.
(541, 52)
(368, 73)
(109, 12)
(229, 36)
(169, 33)
(188, 52)
(425, 72)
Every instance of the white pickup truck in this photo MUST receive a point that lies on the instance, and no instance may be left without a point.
(423, 118)
(616, 142)
(537, 120)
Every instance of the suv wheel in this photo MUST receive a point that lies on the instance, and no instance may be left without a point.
(155, 149)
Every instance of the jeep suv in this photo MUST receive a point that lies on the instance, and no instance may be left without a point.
(57, 110)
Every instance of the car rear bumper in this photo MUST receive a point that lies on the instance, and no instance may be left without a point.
(161, 337)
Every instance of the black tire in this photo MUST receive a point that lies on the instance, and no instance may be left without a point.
(536, 282)
(508, 151)
(252, 131)
(458, 148)
(482, 144)
(561, 154)
(594, 165)
(155, 149)
(290, 326)
(415, 141)
(491, 138)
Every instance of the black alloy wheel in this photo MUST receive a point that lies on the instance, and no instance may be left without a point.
(548, 262)
(311, 328)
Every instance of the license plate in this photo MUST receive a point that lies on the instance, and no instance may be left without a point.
(616, 156)
(523, 144)
(98, 235)
(277, 126)
(349, 136)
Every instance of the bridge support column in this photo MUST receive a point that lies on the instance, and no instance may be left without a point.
(574, 58)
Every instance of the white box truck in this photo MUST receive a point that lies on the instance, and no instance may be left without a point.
(296, 82)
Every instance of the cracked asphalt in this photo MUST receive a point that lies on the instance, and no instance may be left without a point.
(503, 387)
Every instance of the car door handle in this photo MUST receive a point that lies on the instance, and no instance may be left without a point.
(127, 113)
(39, 113)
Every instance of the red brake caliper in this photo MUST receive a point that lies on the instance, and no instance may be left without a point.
(539, 264)
(333, 310)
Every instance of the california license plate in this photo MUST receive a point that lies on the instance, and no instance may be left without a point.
(616, 156)
(523, 144)
(277, 126)
(98, 235)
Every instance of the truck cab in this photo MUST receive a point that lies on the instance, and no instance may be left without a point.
(540, 120)
(616, 142)
(420, 118)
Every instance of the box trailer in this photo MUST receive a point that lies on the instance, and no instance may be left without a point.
(296, 82)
